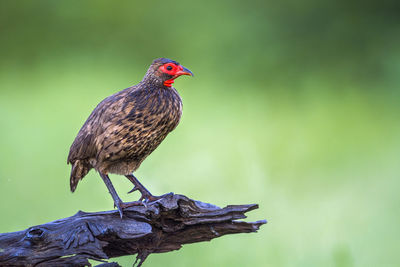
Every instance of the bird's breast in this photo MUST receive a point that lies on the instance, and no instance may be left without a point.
(146, 125)
(161, 113)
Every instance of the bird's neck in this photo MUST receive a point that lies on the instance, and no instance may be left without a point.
(152, 81)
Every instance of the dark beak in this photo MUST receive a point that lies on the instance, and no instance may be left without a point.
(184, 71)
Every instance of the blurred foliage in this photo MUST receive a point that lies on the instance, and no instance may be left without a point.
(295, 106)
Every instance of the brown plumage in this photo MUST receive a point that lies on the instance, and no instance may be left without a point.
(126, 127)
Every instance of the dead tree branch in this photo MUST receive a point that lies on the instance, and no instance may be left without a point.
(160, 227)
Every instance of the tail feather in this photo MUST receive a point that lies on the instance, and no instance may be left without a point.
(79, 170)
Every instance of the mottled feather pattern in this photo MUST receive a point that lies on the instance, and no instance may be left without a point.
(122, 147)
(124, 129)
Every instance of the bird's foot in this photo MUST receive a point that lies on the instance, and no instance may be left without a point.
(146, 197)
(149, 198)
(153, 199)
(144, 200)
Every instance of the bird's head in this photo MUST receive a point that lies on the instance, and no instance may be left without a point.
(164, 71)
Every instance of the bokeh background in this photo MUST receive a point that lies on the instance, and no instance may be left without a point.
(295, 106)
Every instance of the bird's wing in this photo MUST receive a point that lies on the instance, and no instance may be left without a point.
(86, 143)
(123, 135)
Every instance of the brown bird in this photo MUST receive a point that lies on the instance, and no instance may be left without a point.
(126, 127)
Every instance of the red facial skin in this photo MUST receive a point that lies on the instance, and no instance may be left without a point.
(174, 70)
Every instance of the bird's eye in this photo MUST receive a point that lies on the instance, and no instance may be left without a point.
(169, 67)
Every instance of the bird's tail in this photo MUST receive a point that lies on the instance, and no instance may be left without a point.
(79, 170)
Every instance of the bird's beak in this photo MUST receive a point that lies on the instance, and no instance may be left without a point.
(184, 71)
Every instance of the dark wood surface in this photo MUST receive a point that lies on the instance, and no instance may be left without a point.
(158, 227)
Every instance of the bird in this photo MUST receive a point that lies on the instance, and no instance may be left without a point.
(126, 127)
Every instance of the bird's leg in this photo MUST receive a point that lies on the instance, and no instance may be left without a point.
(117, 200)
(146, 195)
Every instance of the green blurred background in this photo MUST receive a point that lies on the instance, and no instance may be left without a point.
(295, 106)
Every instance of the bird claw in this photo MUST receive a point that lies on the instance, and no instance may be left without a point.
(135, 188)
(119, 207)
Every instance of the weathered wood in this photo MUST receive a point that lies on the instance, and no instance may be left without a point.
(160, 227)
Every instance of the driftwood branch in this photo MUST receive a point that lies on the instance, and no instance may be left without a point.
(160, 227)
